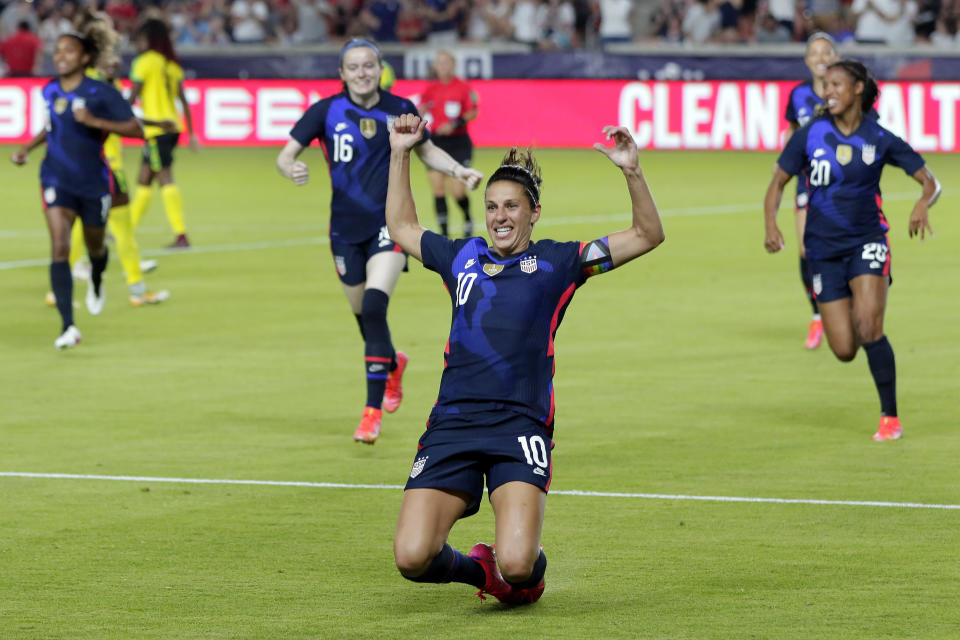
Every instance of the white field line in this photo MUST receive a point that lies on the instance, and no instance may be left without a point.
(398, 487)
(321, 240)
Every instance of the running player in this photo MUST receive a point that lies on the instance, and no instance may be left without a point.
(449, 104)
(97, 27)
(841, 155)
(353, 126)
(494, 416)
(158, 81)
(821, 52)
(74, 178)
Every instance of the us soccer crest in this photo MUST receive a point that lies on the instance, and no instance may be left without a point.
(341, 264)
(390, 121)
(418, 466)
(492, 269)
(368, 127)
(528, 265)
(817, 283)
(869, 153)
(60, 105)
(844, 153)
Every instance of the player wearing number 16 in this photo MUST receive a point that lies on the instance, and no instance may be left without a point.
(493, 419)
(353, 127)
(842, 154)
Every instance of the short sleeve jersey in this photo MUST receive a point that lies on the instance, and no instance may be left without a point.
(447, 101)
(161, 80)
(843, 173)
(801, 103)
(74, 160)
(506, 312)
(356, 143)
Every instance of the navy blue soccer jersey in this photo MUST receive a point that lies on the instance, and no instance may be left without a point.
(506, 312)
(74, 160)
(843, 173)
(356, 143)
(801, 104)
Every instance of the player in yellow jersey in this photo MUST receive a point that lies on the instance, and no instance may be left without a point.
(158, 81)
(97, 27)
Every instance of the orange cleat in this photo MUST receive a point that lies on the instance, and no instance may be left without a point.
(393, 394)
(815, 334)
(889, 429)
(369, 429)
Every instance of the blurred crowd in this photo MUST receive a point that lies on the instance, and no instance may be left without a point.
(541, 24)
(887, 22)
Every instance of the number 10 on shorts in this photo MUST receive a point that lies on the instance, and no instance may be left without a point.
(534, 450)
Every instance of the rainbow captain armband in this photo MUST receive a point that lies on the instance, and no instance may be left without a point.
(595, 257)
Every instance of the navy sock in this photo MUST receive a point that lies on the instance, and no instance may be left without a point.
(464, 204)
(441, 204)
(539, 568)
(884, 370)
(62, 284)
(807, 277)
(452, 566)
(359, 318)
(97, 267)
(378, 350)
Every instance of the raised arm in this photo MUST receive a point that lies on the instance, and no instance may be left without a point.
(646, 233)
(919, 217)
(773, 241)
(291, 168)
(439, 160)
(402, 222)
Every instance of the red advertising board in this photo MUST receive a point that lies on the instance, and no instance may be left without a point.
(545, 113)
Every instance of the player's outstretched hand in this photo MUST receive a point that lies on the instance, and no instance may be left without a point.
(469, 176)
(19, 157)
(406, 132)
(624, 151)
(920, 220)
(300, 173)
(194, 143)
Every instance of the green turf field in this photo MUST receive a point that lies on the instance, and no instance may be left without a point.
(681, 374)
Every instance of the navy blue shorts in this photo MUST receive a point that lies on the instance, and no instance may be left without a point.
(459, 147)
(92, 212)
(831, 277)
(351, 258)
(458, 451)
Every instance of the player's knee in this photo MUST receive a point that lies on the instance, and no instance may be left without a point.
(844, 353)
(411, 558)
(515, 566)
(869, 330)
(59, 251)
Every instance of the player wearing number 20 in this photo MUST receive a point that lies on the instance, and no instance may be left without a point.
(353, 128)
(493, 419)
(842, 154)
